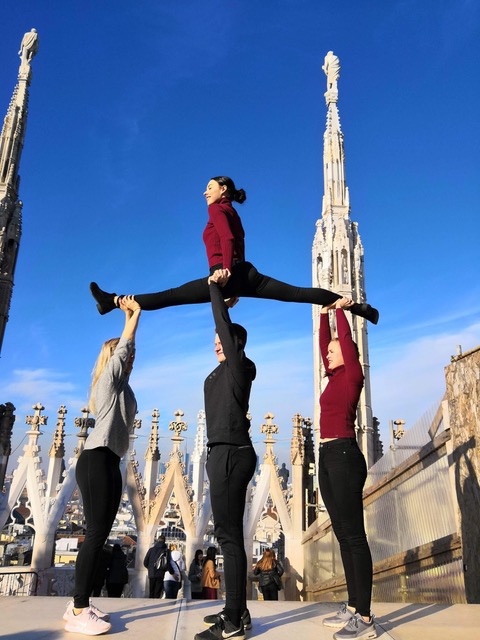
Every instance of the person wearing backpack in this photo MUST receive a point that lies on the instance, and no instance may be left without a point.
(158, 561)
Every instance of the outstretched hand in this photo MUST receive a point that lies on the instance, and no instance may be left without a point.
(341, 303)
(128, 304)
(344, 303)
(220, 276)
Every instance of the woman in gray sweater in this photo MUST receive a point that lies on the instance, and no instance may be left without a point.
(98, 469)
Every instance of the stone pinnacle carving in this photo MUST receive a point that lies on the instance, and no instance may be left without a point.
(28, 49)
(331, 68)
(57, 450)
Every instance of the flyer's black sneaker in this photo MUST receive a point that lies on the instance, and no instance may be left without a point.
(222, 630)
(365, 310)
(105, 301)
(215, 618)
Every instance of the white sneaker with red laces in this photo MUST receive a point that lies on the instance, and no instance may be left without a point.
(86, 622)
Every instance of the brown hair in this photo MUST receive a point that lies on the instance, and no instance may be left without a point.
(268, 561)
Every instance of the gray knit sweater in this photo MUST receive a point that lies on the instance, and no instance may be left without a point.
(115, 404)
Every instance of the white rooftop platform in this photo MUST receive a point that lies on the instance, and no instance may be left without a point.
(40, 618)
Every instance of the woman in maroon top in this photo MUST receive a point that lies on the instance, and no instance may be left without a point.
(224, 240)
(342, 472)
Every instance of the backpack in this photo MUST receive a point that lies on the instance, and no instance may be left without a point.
(161, 562)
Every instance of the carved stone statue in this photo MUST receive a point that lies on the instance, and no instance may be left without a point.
(28, 49)
(332, 69)
(284, 474)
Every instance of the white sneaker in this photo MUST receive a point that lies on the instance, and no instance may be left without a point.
(92, 607)
(100, 614)
(87, 623)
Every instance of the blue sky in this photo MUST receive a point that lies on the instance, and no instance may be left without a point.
(135, 105)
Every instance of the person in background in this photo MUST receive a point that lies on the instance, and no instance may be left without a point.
(155, 573)
(101, 572)
(210, 576)
(172, 580)
(98, 476)
(342, 472)
(269, 571)
(195, 575)
(117, 574)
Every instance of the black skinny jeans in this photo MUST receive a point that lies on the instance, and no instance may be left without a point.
(342, 473)
(100, 482)
(270, 591)
(245, 282)
(230, 468)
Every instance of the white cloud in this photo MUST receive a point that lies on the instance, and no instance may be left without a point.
(26, 387)
(411, 378)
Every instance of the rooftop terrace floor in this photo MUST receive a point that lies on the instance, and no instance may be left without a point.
(40, 618)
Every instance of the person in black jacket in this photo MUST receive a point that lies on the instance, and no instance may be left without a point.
(117, 574)
(231, 462)
(156, 575)
(269, 571)
(195, 575)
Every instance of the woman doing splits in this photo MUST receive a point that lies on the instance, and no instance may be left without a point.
(98, 469)
(224, 240)
(342, 472)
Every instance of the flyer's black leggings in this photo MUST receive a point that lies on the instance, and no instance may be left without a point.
(230, 468)
(100, 482)
(245, 282)
(342, 472)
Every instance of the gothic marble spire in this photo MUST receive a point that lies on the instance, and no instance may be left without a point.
(11, 144)
(336, 190)
(337, 255)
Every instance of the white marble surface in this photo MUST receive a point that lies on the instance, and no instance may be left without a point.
(40, 618)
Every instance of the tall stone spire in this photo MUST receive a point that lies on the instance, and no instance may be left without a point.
(11, 145)
(337, 256)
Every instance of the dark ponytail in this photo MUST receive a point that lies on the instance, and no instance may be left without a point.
(237, 195)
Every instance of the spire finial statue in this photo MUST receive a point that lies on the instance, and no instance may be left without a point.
(332, 70)
(28, 49)
(331, 67)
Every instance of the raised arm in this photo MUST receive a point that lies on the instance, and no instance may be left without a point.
(223, 326)
(132, 316)
(116, 366)
(353, 367)
(325, 335)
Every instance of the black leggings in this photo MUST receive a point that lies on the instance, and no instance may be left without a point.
(342, 472)
(245, 282)
(230, 468)
(100, 482)
(270, 591)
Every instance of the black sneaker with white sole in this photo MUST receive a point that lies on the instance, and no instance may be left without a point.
(222, 630)
(215, 618)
